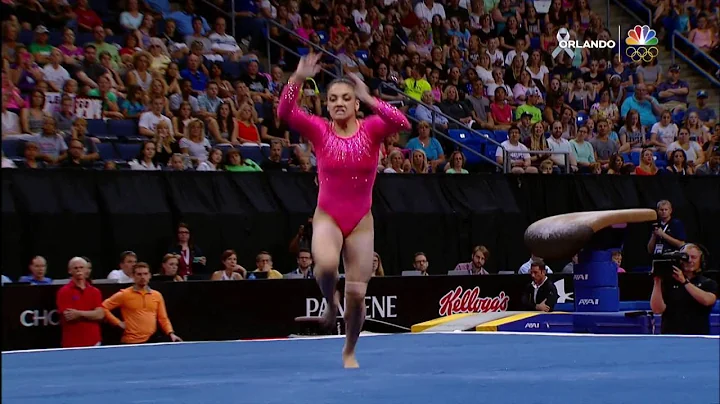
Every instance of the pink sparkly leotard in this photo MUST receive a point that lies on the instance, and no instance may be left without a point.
(347, 166)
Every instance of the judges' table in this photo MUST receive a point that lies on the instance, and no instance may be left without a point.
(224, 310)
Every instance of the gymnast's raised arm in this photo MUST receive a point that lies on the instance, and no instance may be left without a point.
(311, 127)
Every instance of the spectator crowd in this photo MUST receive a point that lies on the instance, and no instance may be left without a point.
(150, 85)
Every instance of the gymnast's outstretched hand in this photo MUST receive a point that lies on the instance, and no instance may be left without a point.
(307, 67)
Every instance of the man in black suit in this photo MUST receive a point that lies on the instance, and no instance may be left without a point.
(540, 294)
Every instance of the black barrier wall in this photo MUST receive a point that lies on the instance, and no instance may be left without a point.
(60, 214)
(205, 310)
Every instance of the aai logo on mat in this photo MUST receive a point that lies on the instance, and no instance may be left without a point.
(641, 41)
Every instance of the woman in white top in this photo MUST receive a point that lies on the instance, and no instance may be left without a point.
(663, 133)
(132, 18)
(144, 162)
(213, 162)
(484, 69)
(693, 151)
(520, 158)
(196, 144)
(395, 163)
(55, 75)
(538, 71)
(231, 270)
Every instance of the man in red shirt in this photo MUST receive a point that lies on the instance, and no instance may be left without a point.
(80, 307)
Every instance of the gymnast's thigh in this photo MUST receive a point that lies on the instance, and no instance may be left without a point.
(327, 240)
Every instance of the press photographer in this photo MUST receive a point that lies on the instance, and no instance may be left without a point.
(668, 234)
(681, 293)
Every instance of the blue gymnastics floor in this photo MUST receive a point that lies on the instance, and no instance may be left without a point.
(417, 369)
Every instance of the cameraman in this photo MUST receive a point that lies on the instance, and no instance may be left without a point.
(668, 234)
(685, 300)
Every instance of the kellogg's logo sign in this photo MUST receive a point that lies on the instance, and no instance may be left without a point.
(469, 301)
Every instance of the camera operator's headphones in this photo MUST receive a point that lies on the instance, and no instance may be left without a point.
(704, 254)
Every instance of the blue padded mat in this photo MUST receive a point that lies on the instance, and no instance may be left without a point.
(409, 368)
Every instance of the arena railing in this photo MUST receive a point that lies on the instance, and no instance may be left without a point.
(408, 99)
(636, 9)
(694, 56)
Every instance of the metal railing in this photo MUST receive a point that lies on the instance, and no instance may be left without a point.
(692, 59)
(636, 9)
(410, 100)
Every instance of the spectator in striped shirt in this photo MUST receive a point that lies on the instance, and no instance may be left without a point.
(480, 255)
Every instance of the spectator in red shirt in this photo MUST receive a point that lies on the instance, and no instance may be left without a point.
(80, 307)
(87, 18)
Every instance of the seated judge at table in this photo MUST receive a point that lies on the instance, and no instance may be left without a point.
(540, 294)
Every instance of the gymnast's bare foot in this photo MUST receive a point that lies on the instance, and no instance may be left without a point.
(349, 361)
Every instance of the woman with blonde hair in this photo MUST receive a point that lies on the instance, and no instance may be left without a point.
(195, 144)
(169, 267)
(394, 163)
(160, 58)
(141, 76)
(165, 144)
(647, 163)
(158, 88)
(418, 163)
(377, 265)
(537, 142)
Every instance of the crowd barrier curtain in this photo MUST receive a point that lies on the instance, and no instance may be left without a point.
(61, 214)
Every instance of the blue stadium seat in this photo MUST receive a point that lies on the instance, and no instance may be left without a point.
(582, 118)
(97, 127)
(84, 38)
(12, 148)
(55, 38)
(254, 153)
(363, 54)
(128, 151)
(107, 151)
(501, 136)
(232, 69)
(303, 51)
(26, 37)
(535, 42)
(411, 111)
(123, 128)
(635, 158)
(323, 37)
(678, 117)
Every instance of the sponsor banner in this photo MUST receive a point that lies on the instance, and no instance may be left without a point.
(202, 311)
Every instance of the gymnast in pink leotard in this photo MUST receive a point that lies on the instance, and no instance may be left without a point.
(347, 150)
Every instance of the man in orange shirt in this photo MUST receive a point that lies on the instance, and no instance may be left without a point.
(142, 309)
(80, 306)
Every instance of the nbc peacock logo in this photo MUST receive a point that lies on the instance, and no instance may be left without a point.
(641, 41)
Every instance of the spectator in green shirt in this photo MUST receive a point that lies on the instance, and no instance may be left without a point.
(102, 46)
(236, 163)
(41, 49)
(109, 99)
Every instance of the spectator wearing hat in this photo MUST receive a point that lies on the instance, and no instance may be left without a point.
(672, 93)
(645, 104)
(706, 114)
(40, 48)
(530, 107)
